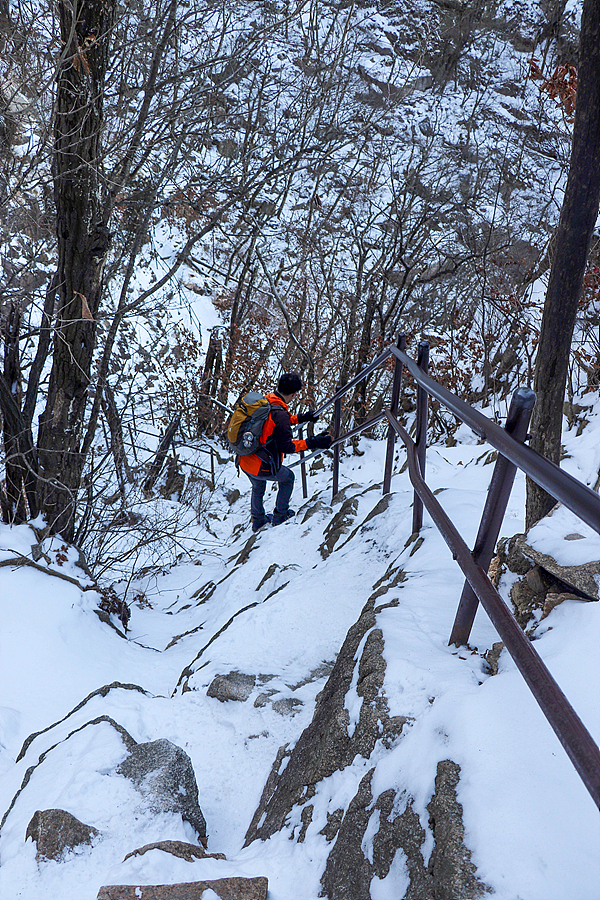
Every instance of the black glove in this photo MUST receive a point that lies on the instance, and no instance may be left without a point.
(319, 442)
(309, 416)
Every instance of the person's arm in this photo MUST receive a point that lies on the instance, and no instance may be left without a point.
(283, 432)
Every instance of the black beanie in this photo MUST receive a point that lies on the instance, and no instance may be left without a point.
(289, 383)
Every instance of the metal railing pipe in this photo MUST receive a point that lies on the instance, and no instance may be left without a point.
(570, 730)
(344, 437)
(421, 431)
(391, 435)
(576, 496)
(364, 373)
(337, 424)
(303, 466)
(517, 423)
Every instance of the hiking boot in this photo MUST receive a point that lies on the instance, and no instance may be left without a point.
(280, 518)
(268, 520)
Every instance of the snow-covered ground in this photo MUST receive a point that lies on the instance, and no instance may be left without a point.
(530, 824)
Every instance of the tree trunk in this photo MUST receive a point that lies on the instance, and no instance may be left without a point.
(575, 229)
(20, 501)
(82, 246)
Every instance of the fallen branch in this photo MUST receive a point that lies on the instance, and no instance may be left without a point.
(21, 560)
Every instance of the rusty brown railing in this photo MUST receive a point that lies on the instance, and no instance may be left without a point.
(513, 454)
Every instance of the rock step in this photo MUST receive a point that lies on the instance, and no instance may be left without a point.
(225, 888)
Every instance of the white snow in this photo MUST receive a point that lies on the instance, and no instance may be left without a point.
(529, 822)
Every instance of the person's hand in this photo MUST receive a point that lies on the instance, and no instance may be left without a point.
(308, 416)
(321, 441)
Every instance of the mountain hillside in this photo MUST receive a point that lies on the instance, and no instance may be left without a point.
(431, 770)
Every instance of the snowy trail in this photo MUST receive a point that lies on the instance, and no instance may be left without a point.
(289, 601)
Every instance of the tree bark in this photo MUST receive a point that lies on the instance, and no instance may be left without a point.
(83, 241)
(20, 500)
(575, 229)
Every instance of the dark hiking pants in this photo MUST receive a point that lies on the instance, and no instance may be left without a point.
(285, 479)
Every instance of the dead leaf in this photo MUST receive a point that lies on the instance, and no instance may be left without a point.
(85, 310)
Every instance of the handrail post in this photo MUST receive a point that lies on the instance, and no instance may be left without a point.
(421, 432)
(337, 425)
(391, 436)
(303, 466)
(517, 423)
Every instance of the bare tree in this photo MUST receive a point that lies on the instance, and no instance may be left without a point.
(575, 230)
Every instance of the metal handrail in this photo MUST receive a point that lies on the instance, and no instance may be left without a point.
(580, 499)
(364, 373)
(570, 730)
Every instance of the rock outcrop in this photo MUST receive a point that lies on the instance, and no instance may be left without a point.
(326, 745)
(351, 724)
(56, 831)
(544, 583)
(233, 686)
(225, 888)
(449, 874)
(163, 773)
(181, 849)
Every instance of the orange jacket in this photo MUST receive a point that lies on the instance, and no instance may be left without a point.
(276, 439)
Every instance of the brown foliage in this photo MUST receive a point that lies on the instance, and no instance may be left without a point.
(560, 86)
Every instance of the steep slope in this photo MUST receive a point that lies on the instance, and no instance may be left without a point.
(407, 769)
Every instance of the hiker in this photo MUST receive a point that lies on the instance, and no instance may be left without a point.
(276, 440)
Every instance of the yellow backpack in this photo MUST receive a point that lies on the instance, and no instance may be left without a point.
(247, 423)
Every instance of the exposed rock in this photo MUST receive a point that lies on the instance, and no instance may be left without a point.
(334, 820)
(287, 706)
(163, 772)
(543, 581)
(492, 657)
(314, 508)
(234, 686)
(339, 525)
(245, 552)
(380, 506)
(225, 888)
(509, 554)
(268, 574)
(306, 819)
(326, 746)
(454, 875)
(449, 875)
(525, 601)
(348, 873)
(189, 852)
(521, 558)
(554, 599)
(99, 692)
(342, 495)
(535, 580)
(263, 698)
(323, 670)
(393, 577)
(366, 835)
(581, 578)
(56, 831)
